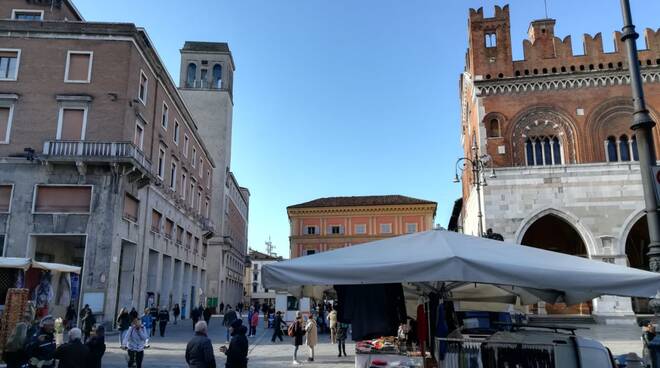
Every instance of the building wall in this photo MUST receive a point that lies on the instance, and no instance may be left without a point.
(65, 12)
(348, 218)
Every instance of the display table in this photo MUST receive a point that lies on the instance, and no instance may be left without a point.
(365, 360)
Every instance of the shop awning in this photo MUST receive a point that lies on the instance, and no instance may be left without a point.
(442, 258)
(26, 263)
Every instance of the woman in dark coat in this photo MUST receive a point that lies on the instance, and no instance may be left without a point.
(96, 346)
(298, 333)
(238, 347)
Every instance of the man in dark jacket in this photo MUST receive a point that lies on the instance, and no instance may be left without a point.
(228, 319)
(207, 312)
(238, 347)
(40, 348)
(88, 320)
(163, 319)
(73, 354)
(96, 346)
(153, 312)
(195, 315)
(277, 327)
(199, 352)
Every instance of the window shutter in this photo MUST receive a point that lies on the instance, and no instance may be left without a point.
(72, 124)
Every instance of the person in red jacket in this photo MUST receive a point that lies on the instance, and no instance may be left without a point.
(254, 322)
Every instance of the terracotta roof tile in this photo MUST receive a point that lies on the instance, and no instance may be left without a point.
(382, 200)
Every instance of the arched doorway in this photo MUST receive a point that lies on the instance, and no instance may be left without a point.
(637, 243)
(553, 233)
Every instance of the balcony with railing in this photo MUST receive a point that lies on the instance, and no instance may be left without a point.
(204, 84)
(90, 152)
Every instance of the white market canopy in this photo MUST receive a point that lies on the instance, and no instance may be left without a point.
(445, 258)
(26, 263)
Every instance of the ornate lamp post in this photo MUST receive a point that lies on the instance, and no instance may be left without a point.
(478, 165)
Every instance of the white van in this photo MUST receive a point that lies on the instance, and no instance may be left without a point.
(289, 305)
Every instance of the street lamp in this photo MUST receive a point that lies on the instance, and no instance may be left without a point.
(642, 125)
(478, 165)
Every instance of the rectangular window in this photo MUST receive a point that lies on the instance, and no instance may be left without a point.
(138, 138)
(199, 202)
(188, 239)
(385, 228)
(72, 124)
(78, 67)
(309, 252)
(142, 91)
(23, 14)
(192, 193)
(254, 286)
(336, 229)
(9, 60)
(165, 118)
(360, 229)
(206, 208)
(208, 179)
(196, 245)
(201, 167)
(194, 156)
(156, 218)
(176, 132)
(411, 228)
(311, 230)
(186, 145)
(173, 176)
(131, 207)
(5, 198)
(6, 117)
(161, 162)
(169, 227)
(179, 235)
(62, 199)
(184, 188)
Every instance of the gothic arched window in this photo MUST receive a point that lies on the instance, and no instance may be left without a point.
(529, 149)
(543, 150)
(494, 130)
(217, 76)
(556, 150)
(191, 74)
(624, 148)
(547, 151)
(612, 151)
(633, 143)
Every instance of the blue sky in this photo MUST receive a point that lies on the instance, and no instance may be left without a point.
(346, 97)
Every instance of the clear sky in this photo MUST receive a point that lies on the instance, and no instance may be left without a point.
(346, 97)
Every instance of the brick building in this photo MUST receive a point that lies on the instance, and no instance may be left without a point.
(330, 223)
(555, 127)
(102, 162)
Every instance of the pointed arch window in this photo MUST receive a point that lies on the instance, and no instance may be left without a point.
(633, 145)
(217, 76)
(624, 148)
(191, 73)
(529, 150)
(556, 151)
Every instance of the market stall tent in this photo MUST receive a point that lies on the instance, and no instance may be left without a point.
(25, 263)
(445, 258)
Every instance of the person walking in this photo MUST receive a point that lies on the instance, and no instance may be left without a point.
(277, 327)
(96, 346)
(311, 337)
(40, 348)
(228, 319)
(221, 308)
(14, 352)
(207, 315)
(195, 314)
(238, 347)
(297, 331)
(648, 334)
(135, 342)
(153, 311)
(163, 319)
(73, 354)
(70, 317)
(332, 322)
(199, 351)
(342, 333)
(88, 321)
(176, 311)
(147, 322)
(133, 314)
(254, 322)
(123, 323)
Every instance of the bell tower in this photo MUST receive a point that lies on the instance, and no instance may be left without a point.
(489, 51)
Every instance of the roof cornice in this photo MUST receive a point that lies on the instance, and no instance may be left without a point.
(357, 210)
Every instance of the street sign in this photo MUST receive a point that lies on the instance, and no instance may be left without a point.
(656, 180)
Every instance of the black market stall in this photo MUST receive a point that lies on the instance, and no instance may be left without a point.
(450, 264)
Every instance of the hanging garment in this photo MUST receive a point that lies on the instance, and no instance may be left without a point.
(63, 290)
(441, 330)
(422, 328)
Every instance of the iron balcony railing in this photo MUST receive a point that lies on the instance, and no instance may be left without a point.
(96, 151)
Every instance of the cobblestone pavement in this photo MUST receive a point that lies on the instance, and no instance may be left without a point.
(168, 352)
